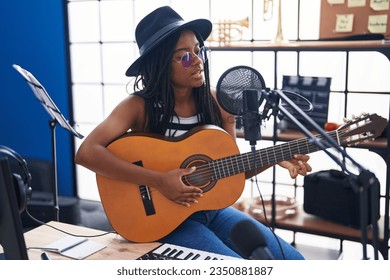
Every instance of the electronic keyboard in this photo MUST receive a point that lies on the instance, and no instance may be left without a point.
(168, 251)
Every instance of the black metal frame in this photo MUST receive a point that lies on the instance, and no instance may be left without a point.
(334, 46)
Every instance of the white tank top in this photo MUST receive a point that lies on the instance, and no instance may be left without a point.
(179, 125)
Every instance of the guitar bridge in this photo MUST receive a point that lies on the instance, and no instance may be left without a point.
(147, 200)
(146, 196)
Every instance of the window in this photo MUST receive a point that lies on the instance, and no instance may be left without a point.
(102, 47)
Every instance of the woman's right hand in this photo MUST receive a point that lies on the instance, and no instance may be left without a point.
(173, 188)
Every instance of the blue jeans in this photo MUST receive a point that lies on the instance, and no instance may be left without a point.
(210, 231)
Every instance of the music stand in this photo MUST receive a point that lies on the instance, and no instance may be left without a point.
(56, 118)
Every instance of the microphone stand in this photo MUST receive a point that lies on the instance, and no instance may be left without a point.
(361, 184)
(251, 119)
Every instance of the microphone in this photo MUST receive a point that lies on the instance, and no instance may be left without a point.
(250, 242)
(239, 93)
(251, 115)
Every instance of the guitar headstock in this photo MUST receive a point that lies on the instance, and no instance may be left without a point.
(363, 128)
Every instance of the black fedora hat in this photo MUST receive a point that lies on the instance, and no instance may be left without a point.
(158, 25)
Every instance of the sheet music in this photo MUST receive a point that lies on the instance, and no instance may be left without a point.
(44, 98)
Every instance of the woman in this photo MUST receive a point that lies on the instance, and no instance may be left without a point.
(172, 95)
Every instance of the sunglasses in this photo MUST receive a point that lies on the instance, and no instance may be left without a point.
(187, 58)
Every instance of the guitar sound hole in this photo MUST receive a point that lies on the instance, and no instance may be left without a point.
(203, 175)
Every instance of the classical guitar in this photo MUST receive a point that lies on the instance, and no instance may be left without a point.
(142, 214)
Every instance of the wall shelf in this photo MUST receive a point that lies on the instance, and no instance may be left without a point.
(303, 222)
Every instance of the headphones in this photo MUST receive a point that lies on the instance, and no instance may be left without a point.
(22, 185)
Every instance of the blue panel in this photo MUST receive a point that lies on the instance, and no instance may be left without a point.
(32, 36)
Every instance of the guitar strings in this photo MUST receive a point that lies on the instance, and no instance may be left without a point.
(204, 173)
(207, 170)
(216, 169)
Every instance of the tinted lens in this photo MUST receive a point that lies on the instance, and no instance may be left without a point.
(186, 59)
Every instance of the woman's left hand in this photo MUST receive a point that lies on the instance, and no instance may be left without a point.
(297, 165)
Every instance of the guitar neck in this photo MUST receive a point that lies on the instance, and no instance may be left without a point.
(249, 161)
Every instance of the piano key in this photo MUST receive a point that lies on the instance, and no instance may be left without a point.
(188, 256)
(171, 253)
(167, 250)
(178, 254)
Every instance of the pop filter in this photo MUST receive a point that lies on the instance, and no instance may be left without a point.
(233, 83)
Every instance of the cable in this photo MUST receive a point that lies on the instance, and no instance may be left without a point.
(263, 205)
(63, 231)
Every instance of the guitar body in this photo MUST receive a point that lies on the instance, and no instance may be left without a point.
(123, 202)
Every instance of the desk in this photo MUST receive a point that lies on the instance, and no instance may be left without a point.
(117, 248)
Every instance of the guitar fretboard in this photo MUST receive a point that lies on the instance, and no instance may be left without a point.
(229, 166)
